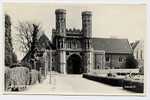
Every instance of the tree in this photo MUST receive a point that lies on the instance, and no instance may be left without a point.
(34, 43)
(131, 62)
(10, 56)
(27, 35)
(14, 58)
(8, 41)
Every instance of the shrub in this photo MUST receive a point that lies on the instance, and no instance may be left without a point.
(34, 77)
(7, 78)
(14, 58)
(39, 77)
(141, 70)
(15, 65)
(27, 65)
(109, 74)
(19, 77)
(133, 86)
(114, 81)
(131, 62)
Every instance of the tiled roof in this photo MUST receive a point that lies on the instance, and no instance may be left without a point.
(112, 45)
(44, 42)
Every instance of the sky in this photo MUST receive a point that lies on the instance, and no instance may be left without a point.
(108, 20)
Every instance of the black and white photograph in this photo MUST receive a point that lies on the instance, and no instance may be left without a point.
(74, 49)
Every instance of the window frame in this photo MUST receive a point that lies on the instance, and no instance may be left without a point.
(108, 58)
(120, 59)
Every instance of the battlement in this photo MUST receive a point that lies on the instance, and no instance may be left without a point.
(61, 29)
(69, 30)
(60, 11)
(86, 13)
(73, 30)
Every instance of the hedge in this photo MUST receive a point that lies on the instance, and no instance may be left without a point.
(131, 85)
(134, 86)
(19, 78)
(7, 78)
(35, 77)
(107, 80)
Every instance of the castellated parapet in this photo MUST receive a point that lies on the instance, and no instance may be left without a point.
(69, 31)
(87, 13)
(73, 31)
(61, 29)
(73, 41)
(60, 11)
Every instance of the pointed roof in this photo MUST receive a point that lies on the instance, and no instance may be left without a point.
(44, 42)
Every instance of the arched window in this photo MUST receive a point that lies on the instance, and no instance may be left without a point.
(107, 59)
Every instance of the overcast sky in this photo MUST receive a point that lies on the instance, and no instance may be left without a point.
(119, 21)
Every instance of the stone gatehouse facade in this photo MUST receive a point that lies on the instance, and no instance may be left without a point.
(75, 51)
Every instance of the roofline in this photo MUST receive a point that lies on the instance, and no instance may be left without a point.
(118, 53)
(130, 46)
(110, 38)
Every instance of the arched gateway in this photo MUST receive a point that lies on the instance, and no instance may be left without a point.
(74, 41)
(74, 64)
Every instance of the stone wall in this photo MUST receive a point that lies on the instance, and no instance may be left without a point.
(98, 59)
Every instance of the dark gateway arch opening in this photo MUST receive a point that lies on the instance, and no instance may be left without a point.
(74, 65)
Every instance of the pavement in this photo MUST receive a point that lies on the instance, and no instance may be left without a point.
(60, 84)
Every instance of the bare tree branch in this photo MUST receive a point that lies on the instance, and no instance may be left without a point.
(25, 34)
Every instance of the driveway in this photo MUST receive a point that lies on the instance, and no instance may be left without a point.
(73, 84)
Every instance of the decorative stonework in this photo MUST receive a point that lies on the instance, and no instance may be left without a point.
(73, 41)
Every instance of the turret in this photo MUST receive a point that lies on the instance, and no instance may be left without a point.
(61, 21)
(87, 23)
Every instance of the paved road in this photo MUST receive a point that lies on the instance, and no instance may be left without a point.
(74, 84)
